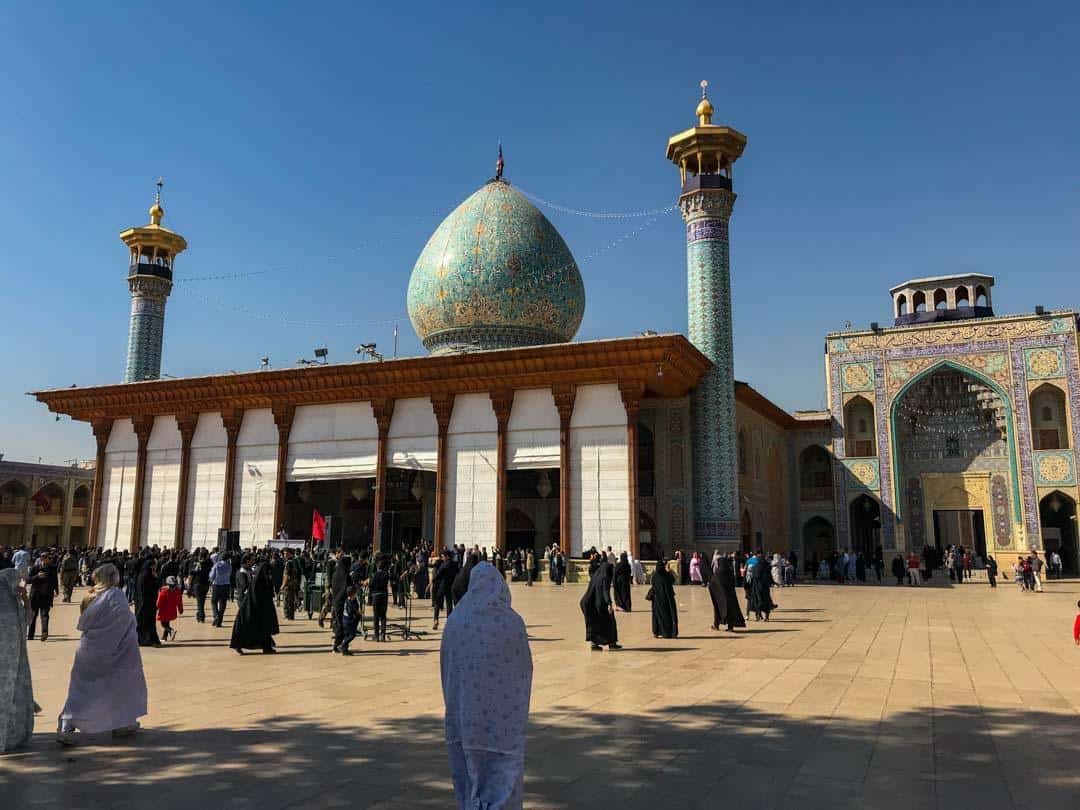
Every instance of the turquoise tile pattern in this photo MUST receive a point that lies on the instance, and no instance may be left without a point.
(146, 328)
(716, 482)
(495, 274)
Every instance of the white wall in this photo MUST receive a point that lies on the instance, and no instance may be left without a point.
(333, 441)
(118, 486)
(206, 483)
(162, 484)
(256, 477)
(471, 480)
(412, 441)
(532, 435)
(599, 473)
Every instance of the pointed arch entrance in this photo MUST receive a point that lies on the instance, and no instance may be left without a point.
(819, 538)
(1057, 518)
(865, 516)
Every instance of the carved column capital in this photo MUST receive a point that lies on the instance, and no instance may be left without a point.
(502, 402)
(231, 420)
(143, 426)
(102, 428)
(713, 203)
(283, 416)
(632, 391)
(186, 424)
(443, 405)
(383, 408)
(564, 395)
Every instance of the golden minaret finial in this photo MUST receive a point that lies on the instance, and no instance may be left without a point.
(704, 108)
(156, 211)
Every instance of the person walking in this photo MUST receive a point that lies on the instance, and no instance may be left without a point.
(486, 669)
(599, 612)
(760, 601)
(913, 569)
(200, 583)
(43, 589)
(899, 569)
(220, 581)
(170, 605)
(530, 567)
(256, 621)
(620, 583)
(292, 574)
(350, 620)
(69, 573)
(665, 609)
(1036, 571)
(377, 587)
(725, 601)
(442, 585)
(107, 690)
(991, 571)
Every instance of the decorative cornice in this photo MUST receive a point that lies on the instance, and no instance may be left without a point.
(713, 203)
(149, 287)
(602, 361)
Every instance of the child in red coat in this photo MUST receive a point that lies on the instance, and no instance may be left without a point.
(1076, 626)
(170, 604)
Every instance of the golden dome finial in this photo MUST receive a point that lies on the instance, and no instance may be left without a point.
(704, 108)
(156, 211)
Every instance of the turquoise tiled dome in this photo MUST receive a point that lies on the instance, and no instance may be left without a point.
(495, 274)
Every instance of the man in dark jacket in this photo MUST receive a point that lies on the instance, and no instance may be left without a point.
(200, 582)
(43, 588)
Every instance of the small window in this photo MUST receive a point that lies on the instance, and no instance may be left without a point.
(952, 447)
(901, 306)
(862, 426)
(1047, 414)
(919, 302)
(941, 300)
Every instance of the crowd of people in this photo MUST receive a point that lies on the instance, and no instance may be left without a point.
(130, 595)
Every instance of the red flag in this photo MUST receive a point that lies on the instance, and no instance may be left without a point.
(42, 501)
(318, 527)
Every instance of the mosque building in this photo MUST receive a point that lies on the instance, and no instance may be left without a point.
(951, 425)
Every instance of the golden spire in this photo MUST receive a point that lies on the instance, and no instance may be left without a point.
(704, 108)
(156, 211)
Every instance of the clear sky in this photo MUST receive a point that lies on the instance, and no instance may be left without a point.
(309, 151)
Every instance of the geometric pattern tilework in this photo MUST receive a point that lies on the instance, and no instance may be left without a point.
(863, 473)
(857, 376)
(1054, 468)
(915, 529)
(495, 273)
(1045, 363)
(999, 501)
(145, 333)
(993, 365)
(713, 401)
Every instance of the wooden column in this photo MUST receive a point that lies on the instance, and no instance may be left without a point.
(283, 417)
(384, 414)
(444, 408)
(102, 428)
(231, 420)
(186, 423)
(143, 426)
(502, 402)
(632, 391)
(564, 402)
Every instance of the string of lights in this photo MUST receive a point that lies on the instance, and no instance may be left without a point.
(580, 212)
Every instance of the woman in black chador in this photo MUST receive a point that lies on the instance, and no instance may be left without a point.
(725, 604)
(599, 612)
(665, 613)
(759, 599)
(621, 583)
(256, 621)
(461, 581)
(146, 591)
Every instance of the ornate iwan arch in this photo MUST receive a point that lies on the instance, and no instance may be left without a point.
(1010, 431)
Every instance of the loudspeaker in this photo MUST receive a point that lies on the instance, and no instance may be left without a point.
(227, 540)
(388, 532)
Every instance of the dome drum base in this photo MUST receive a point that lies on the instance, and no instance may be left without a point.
(488, 338)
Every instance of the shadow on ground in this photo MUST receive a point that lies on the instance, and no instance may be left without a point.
(682, 756)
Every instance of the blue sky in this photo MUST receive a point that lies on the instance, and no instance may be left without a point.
(318, 145)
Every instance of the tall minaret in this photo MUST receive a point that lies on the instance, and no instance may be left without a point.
(150, 271)
(705, 154)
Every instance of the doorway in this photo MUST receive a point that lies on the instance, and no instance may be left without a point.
(960, 527)
(865, 516)
(1057, 516)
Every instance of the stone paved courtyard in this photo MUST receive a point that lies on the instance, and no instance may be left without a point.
(860, 696)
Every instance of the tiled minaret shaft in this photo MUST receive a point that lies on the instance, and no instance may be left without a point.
(705, 155)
